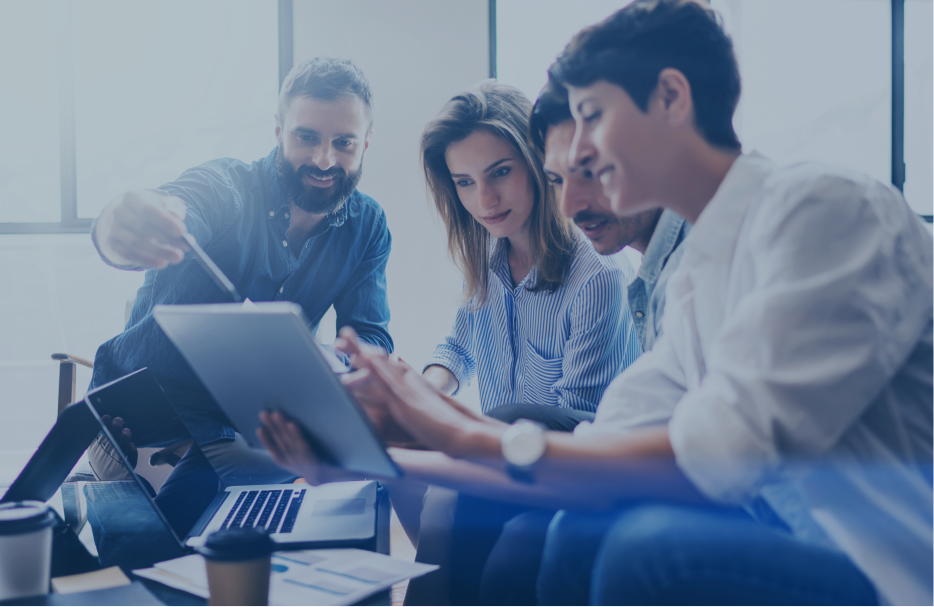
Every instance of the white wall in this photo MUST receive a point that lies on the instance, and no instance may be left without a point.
(55, 296)
(417, 54)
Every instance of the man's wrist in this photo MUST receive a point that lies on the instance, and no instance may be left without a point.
(477, 440)
(442, 379)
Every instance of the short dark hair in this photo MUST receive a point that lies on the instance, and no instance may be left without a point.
(325, 78)
(550, 109)
(632, 46)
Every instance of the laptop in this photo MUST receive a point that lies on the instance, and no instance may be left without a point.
(129, 527)
(263, 356)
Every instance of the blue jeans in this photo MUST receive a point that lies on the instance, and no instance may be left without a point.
(479, 523)
(661, 554)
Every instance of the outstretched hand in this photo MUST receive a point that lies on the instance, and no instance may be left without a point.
(370, 392)
(142, 228)
(402, 395)
(286, 445)
(124, 438)
(289, 449)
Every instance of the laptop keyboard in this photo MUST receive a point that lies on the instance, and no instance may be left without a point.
(280, 510)
(254, 508)
(292, 514)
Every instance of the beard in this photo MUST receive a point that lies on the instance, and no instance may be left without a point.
(320, 201)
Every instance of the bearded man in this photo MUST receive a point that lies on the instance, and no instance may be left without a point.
(291, 226)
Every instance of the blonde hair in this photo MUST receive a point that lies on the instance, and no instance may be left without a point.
(503, 111)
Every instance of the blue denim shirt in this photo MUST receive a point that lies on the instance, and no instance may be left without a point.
(239, 214)
(647, 291)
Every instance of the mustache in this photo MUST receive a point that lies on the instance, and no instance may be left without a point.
(591, 217)
(319, 174)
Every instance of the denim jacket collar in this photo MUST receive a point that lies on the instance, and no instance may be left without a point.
(667, 236)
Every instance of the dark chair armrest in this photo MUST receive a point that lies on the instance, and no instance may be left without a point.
(67, 377)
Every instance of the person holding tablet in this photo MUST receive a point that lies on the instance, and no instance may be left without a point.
(289, 227)
(796, 354)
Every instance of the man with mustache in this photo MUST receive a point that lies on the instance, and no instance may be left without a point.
(291, 226)
(657, 234)
(478, 523)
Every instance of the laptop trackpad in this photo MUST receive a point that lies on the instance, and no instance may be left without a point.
(339, 507)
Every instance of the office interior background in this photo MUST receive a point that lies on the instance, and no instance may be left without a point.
(100, 96)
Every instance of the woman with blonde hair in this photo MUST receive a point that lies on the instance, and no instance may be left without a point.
(544, 319)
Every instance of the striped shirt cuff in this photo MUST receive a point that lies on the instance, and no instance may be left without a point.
(453, 362)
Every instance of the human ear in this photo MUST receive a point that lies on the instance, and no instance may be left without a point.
(366, 142)
(278, 127)
(673, 93)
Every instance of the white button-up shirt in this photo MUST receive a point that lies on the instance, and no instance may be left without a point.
(797, 349)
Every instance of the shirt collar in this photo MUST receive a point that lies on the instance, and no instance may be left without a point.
(499, 265)
(338, 217)
(667, 236)
(277, 202)
(717, 228)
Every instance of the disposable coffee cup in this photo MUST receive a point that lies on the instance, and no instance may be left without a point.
(238, 565)
(25, 549)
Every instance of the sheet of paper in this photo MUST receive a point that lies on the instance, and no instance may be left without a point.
(95, 580)
(170, 579)
(306, 577)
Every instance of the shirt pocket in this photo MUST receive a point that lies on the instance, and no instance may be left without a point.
(541, 375)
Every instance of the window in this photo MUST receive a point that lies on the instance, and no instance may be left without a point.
(530, 34)
(30, 186)
(815, 86)
(817, 76)
(128, 94)
(919, 130)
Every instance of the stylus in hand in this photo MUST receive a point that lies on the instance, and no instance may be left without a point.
(211, 268)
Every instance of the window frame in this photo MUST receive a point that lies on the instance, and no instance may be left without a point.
(70, 223)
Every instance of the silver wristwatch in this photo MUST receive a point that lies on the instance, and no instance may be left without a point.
(523, 444)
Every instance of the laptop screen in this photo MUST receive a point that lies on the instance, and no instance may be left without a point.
(128, 527)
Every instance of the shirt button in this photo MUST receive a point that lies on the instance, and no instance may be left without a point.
(272, 213)
(639, 314)
(281, 289)
(286, 215)
(285, 243)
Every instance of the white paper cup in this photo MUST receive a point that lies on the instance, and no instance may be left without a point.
(25, 549)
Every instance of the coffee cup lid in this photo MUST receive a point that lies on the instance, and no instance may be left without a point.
(238, 544)
(24, 517)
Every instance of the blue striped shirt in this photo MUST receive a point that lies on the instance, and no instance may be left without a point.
(559, 349)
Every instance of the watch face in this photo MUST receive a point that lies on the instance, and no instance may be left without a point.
(523, 444)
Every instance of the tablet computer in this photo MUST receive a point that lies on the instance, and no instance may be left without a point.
(255, 357)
